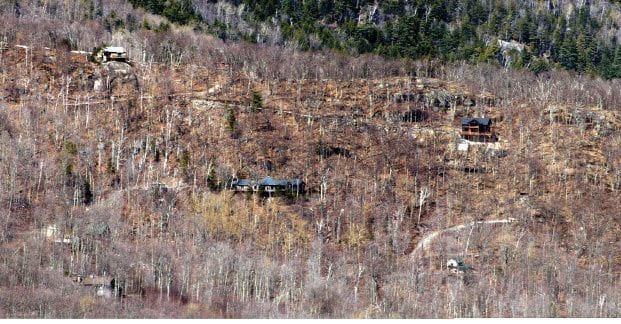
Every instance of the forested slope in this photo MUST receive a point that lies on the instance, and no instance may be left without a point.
(574, 35)
(579, 36)
(120, 170)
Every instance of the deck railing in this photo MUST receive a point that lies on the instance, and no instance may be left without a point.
(476, 133)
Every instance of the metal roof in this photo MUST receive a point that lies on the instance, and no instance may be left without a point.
(267, 181)
(242, 182)
(114, 49)
(480, 121)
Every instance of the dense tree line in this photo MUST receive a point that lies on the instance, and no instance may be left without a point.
(180, 12)
(572, 35)
(556, 34)
(466, 30)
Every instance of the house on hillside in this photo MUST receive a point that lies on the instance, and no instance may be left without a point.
(111, 53)
(269, 185)
(272, 185)
(478, 129)
(115, 53)
(243, 185)
(457, 265)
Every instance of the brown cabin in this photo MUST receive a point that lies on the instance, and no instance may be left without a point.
(478, 129)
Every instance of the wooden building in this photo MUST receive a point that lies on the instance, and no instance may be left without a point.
(478, 129)
(269, 185)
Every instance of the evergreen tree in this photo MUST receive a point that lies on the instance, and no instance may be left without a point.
(526, 29)
(588, 55)
(568, 54)
(494, 23)
(538, 66)
(310, 12)
(491, 53)
(231, 119)
(288, 8)
(558, 38)
(606, 67)
(178, 11)
(257, 101)
(212, 179)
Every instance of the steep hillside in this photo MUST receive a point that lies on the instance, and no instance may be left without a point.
(115, 178)
(538, 36)
(121, 170)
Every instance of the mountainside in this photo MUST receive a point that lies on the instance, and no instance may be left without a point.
(115, 178)
(581, 36)
(538, 35)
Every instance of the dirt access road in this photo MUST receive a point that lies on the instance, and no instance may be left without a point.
(427, 240)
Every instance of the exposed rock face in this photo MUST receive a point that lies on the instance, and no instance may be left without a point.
(442, 100)
(201, 104)
(439, 99)
(602, 121)
(370, 14)
(113, 76)
(98, 84)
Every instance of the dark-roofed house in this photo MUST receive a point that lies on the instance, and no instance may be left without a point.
(477, 129)
(243, 185)
(272, 185)
(269, 185)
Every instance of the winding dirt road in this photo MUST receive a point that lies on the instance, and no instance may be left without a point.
(426, 241)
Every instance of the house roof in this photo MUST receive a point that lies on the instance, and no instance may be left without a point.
(114, 49)
(242, 182)
(480, 121)
(267, 181)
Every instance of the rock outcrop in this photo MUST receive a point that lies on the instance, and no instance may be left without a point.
(114, 76)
